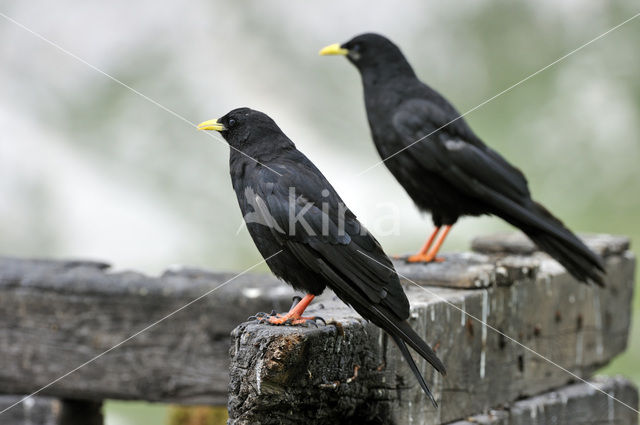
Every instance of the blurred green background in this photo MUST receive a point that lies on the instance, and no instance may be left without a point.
(90, 169)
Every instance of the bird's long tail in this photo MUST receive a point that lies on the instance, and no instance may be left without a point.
(414, 368)
(561, 244)
(404, 335)
(399, 329)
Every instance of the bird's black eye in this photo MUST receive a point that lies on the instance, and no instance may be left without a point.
(355, 51)
(231, 122)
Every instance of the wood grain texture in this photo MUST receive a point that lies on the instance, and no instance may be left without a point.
(577, 404)
(56, 315)
(286, 375)
(498, 259)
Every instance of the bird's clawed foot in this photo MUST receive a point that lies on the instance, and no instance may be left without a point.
(286, 319)
(429, 251)
(424, 258)
(293, 317)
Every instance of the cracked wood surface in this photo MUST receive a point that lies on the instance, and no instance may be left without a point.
(56, 315)
(576, 404)
(287, 375)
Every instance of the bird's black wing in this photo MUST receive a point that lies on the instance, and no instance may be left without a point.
(332, 243)
(346, 255)
(479, 172)
(452, 149)
(327, 234)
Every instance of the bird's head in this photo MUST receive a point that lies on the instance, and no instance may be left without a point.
(244, 127)
(370, 52)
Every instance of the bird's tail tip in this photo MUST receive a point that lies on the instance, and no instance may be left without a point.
(569, 250)
(414, 368)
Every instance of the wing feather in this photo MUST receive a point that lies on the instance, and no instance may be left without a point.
(318, 234)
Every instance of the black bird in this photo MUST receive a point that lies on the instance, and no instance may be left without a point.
(308, 236)
(444, 167)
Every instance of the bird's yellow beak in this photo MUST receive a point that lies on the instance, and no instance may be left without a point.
(334, 49)
(211, 125)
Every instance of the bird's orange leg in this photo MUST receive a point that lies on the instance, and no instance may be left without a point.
(428, 253)
(294, 316)
(425, 247)
(429, 241)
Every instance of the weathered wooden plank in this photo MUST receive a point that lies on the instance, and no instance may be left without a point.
(490, 265)
(33, 411)
(468, 270)
(577, 404)
(287, 375)
(459, 270)
(39, 410)
(55, 315)
(518, 243)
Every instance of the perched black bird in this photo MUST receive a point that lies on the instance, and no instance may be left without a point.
(308, 236)
(444, 167)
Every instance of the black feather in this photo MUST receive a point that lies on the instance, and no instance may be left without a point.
(414, 368)
(274, 181)
(450, 172)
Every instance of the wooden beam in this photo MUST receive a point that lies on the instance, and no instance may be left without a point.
(290, 375)
(33, 411)
(577, 404)
(56, 315)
